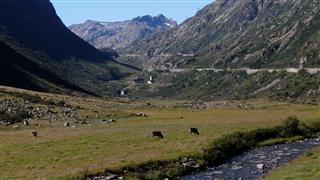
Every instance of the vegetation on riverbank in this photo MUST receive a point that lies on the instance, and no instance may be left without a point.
(219, 150)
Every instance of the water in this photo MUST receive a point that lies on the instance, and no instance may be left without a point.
(245, 165)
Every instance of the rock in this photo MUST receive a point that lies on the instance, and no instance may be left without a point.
(260, 166)
(189, 163)
(112, 121)
(111, 176)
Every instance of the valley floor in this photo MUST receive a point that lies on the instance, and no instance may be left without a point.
(61, 151)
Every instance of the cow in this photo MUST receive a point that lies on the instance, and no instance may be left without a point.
(112, 121)
(157, 134)
(34, 134)
(26, 123)
(194, 131)
(83, 122)
(141, 114)
(66, 124)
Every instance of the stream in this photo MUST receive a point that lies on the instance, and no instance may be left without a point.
(255, 163)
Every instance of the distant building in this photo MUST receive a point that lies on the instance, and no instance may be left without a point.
(301, 62)
(137, 80)
(150, 80)
(123, 93)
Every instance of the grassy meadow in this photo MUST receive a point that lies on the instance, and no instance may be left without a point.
(305, 167)
(61, 152)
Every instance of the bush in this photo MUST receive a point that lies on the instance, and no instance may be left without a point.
(16, 117)
(311, 128)
(30, 98)
(233, 144)
(61, 103)
(291, 126)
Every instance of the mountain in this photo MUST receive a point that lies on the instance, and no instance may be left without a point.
(233, 33)
(22, 72)
(40, 46)
(119, 35)
(35, 24)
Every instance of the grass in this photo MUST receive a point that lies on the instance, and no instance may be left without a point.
(280, 140)
(61, 152)
(305, 167)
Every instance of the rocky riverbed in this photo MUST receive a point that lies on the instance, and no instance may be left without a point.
(256, 163)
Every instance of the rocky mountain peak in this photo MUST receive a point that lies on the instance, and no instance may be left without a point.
(155, 21)
(118, 35)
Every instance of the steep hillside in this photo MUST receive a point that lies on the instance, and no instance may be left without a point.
(35, 24)
(32, 29)
(232, 33)
(118, 35)
(19, 71)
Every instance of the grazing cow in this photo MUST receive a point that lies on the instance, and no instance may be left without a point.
(141, 114)
(66, 124)
(157, 134)
(35, 134)
(112, 121)
(194, 131)
(26, 123)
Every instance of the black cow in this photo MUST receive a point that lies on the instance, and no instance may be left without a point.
(194, 131)
(157, 134)
(35, 134)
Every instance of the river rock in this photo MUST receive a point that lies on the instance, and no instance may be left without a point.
(260, 166)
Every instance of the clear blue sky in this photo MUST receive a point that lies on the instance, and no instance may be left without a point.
(77, 11)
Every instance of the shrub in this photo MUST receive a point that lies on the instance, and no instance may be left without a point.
(30, 98)
(311, 128)
(291, 126)
(61, 103)
(309, 154)
(236, 143)
(16, 117)
(50, 102)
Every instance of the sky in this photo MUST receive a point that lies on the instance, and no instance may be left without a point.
(78, 11)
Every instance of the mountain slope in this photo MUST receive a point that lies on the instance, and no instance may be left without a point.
(47, 52)
(232, 33)
(35, 24)
(19, 71)
(118, 35)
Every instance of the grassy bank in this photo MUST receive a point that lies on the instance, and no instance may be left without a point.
(305, 167)
(218, 151)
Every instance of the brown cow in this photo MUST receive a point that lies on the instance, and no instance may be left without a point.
(157, 134)
(194, 131)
